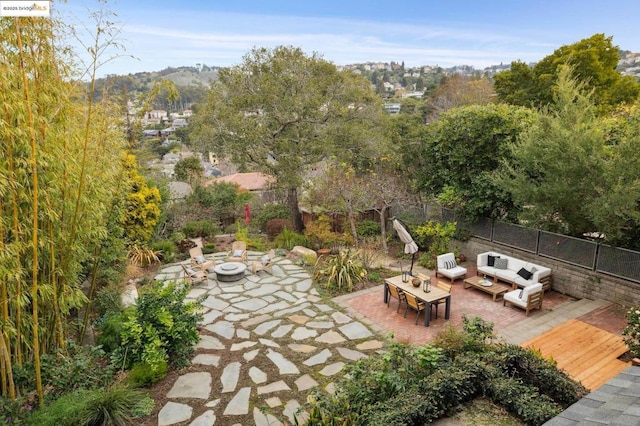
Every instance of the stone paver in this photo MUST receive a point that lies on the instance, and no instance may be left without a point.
(239, 404)
(173, 413)
(264, 339)
(192, 385)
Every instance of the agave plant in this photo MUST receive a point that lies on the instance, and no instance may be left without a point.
(343, 270)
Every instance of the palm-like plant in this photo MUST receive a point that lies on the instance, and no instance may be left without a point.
(343, 270)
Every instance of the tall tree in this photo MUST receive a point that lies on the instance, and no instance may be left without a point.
(556, 166)
(281, 111)
(459, 151)
(593, 62)
(615, 210)
(457, 91)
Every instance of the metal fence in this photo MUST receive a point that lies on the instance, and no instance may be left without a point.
(618, 262)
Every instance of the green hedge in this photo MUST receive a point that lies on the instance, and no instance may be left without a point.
(406, 385)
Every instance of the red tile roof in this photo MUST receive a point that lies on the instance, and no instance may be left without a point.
(250, 181)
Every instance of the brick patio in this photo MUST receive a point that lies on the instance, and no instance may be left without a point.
(471, 302)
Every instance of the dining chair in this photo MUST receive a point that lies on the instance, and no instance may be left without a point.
(443, 286)
(415, 304)
(394, 291)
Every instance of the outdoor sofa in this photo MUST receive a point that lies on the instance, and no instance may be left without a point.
(517, 272)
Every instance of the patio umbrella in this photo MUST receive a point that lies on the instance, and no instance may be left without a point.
(410, 246)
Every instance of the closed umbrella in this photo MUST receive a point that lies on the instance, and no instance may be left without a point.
(410, 246)
(247, 214)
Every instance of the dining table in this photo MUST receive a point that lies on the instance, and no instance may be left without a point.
(434, 295)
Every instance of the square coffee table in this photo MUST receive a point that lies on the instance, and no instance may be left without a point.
(487, 286)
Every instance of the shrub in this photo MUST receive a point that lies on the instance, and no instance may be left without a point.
(405, 385)
(271, 211)
(289, 238)
(200, 228)
(161, 328)
(142, 375)
(370, 252)
(110, 329)
(343, 270)
(631, 332)
(319, 234)
(242, 234)
(77, 368)
(368, 228)
(209, 248)
(435, 238)
(166, 249)
(275, 226)
(115, 406)
(108, 299)
(526, 365)
(522, 400)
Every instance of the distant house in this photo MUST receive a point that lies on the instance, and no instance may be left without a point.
(157, 116)
(166, 132)
(414, 94)
(392, 108)
(179, 122)
(257, 183)
(151, 133)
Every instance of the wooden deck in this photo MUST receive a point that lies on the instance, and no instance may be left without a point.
(587, 353)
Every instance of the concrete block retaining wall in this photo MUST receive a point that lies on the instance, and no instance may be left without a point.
(568, 279)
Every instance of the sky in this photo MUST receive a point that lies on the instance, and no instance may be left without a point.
(161, 33)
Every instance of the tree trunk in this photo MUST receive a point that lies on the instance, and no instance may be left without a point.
(296, 215)
(383, 228)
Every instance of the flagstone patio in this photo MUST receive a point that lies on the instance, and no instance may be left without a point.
(268, 340)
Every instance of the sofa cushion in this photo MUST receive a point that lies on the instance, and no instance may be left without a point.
(491, 260)
(488, 270)
(507, 275)
(500, 263)
(525, 274)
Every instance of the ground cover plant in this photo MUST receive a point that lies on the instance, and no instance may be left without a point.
(408, 385)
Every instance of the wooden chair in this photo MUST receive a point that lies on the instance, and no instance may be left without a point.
(198, 261)
(446, 287)
(238, 252)
(415, 304)
(194, 276)
(528, 298)
(262, 265)
(395, 292)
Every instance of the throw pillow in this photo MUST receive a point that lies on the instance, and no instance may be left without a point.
(533, 270)
(520, 295)
(237, 253)
(450, 264)
(265, 259)
(199, 259)
(525, 274)
(501, 263)
(491, 260)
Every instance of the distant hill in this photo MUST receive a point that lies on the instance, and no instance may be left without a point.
(193, 82)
